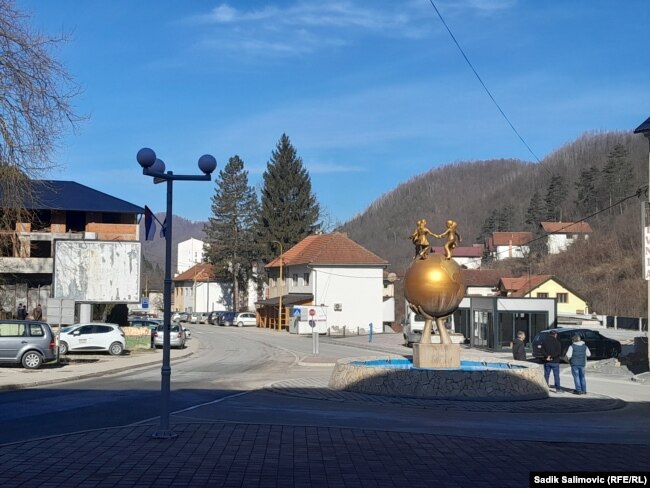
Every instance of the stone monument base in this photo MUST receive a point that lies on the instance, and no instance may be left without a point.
(436, 355)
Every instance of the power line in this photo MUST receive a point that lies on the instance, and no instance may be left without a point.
(478, 77)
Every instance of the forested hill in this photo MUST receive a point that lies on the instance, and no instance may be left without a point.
(581, 178)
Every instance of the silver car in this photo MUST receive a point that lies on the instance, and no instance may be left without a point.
(26, 342)
(176, 336)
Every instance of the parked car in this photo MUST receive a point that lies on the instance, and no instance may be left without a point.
(240, 319)
(227, 319)
(92, 337)
(194, 318)
(176, 336)
(183, 317)
(203, 318)
(601, 347)
(215, 317)
(26, 342)
(152, 324)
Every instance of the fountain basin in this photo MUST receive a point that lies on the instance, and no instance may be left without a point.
(474, 380)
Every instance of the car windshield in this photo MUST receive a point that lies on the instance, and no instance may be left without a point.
(172, 327)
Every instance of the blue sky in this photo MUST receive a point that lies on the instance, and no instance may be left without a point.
(371, 93)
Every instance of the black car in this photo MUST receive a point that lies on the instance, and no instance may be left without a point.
(601, 347)
(214, 317)
(227, 319)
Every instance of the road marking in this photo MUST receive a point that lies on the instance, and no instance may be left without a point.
(192, 407)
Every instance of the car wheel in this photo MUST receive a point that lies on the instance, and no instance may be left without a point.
(240, 324)
(63, 348)
(613, 353)
(32, 360)
(116, 349)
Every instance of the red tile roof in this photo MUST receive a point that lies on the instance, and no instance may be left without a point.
(461, 252)
(335, 248)
(511, 238)
(521, 286)
(566, 227)
(198, 272)
(482, 277)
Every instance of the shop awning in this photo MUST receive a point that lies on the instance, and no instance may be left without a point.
(290, 299)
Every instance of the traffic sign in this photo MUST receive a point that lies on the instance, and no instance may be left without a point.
(312, 312)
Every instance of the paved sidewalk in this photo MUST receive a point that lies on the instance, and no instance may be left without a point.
(80, 366)
(251, 455)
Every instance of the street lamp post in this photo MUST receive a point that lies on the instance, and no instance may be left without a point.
(644, 129)
(280, 290)
(154, 167)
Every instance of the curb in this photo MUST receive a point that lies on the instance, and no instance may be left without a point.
(95, 374)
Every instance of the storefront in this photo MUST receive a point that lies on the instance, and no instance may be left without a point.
(493, 322)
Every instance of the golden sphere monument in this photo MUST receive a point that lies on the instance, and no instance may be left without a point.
(434, 288)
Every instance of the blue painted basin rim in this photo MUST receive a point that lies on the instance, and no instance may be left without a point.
(404, 363)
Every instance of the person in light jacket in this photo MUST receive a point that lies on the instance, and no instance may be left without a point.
(577, 355)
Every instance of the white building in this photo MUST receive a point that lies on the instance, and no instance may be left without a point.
(195, 290)
(329, 270)
(468, 257)
(506, 245)
(562, 234)
(189, 253)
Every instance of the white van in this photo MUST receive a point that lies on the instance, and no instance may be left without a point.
(414, 325)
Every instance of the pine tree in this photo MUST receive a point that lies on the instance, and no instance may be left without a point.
(618, 175)
(587, 188)
(230, 231)
(555, 197)
(536, 212)
(289, 210)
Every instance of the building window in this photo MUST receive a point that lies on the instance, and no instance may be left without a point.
(305, 278)
(562, 298)
(294, 280)
(542, 295)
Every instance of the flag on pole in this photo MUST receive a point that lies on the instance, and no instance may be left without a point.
(149, 224)
(163, 228)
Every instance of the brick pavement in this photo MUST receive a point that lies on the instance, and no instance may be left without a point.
(250, 455)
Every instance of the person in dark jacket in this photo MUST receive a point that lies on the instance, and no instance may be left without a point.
(577, 354)
(551, 350)
(519, 346)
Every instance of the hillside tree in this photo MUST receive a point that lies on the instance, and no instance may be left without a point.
(556, 195)
(587, 188)
(289, 211)
(535, 213)
(230, 231)
(617, 176)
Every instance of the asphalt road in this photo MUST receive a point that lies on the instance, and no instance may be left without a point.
(229, 379)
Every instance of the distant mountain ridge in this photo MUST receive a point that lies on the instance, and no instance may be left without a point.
(468, 191)
(606, 269)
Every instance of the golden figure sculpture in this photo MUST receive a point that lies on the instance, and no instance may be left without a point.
(419, 238)
(453, 238)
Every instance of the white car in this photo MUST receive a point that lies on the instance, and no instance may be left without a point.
(92, 337)
(245, 319)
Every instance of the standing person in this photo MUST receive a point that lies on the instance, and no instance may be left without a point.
(577, 354)
(552, 349)
(38, 312)
(21, 312)
(519, 346)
